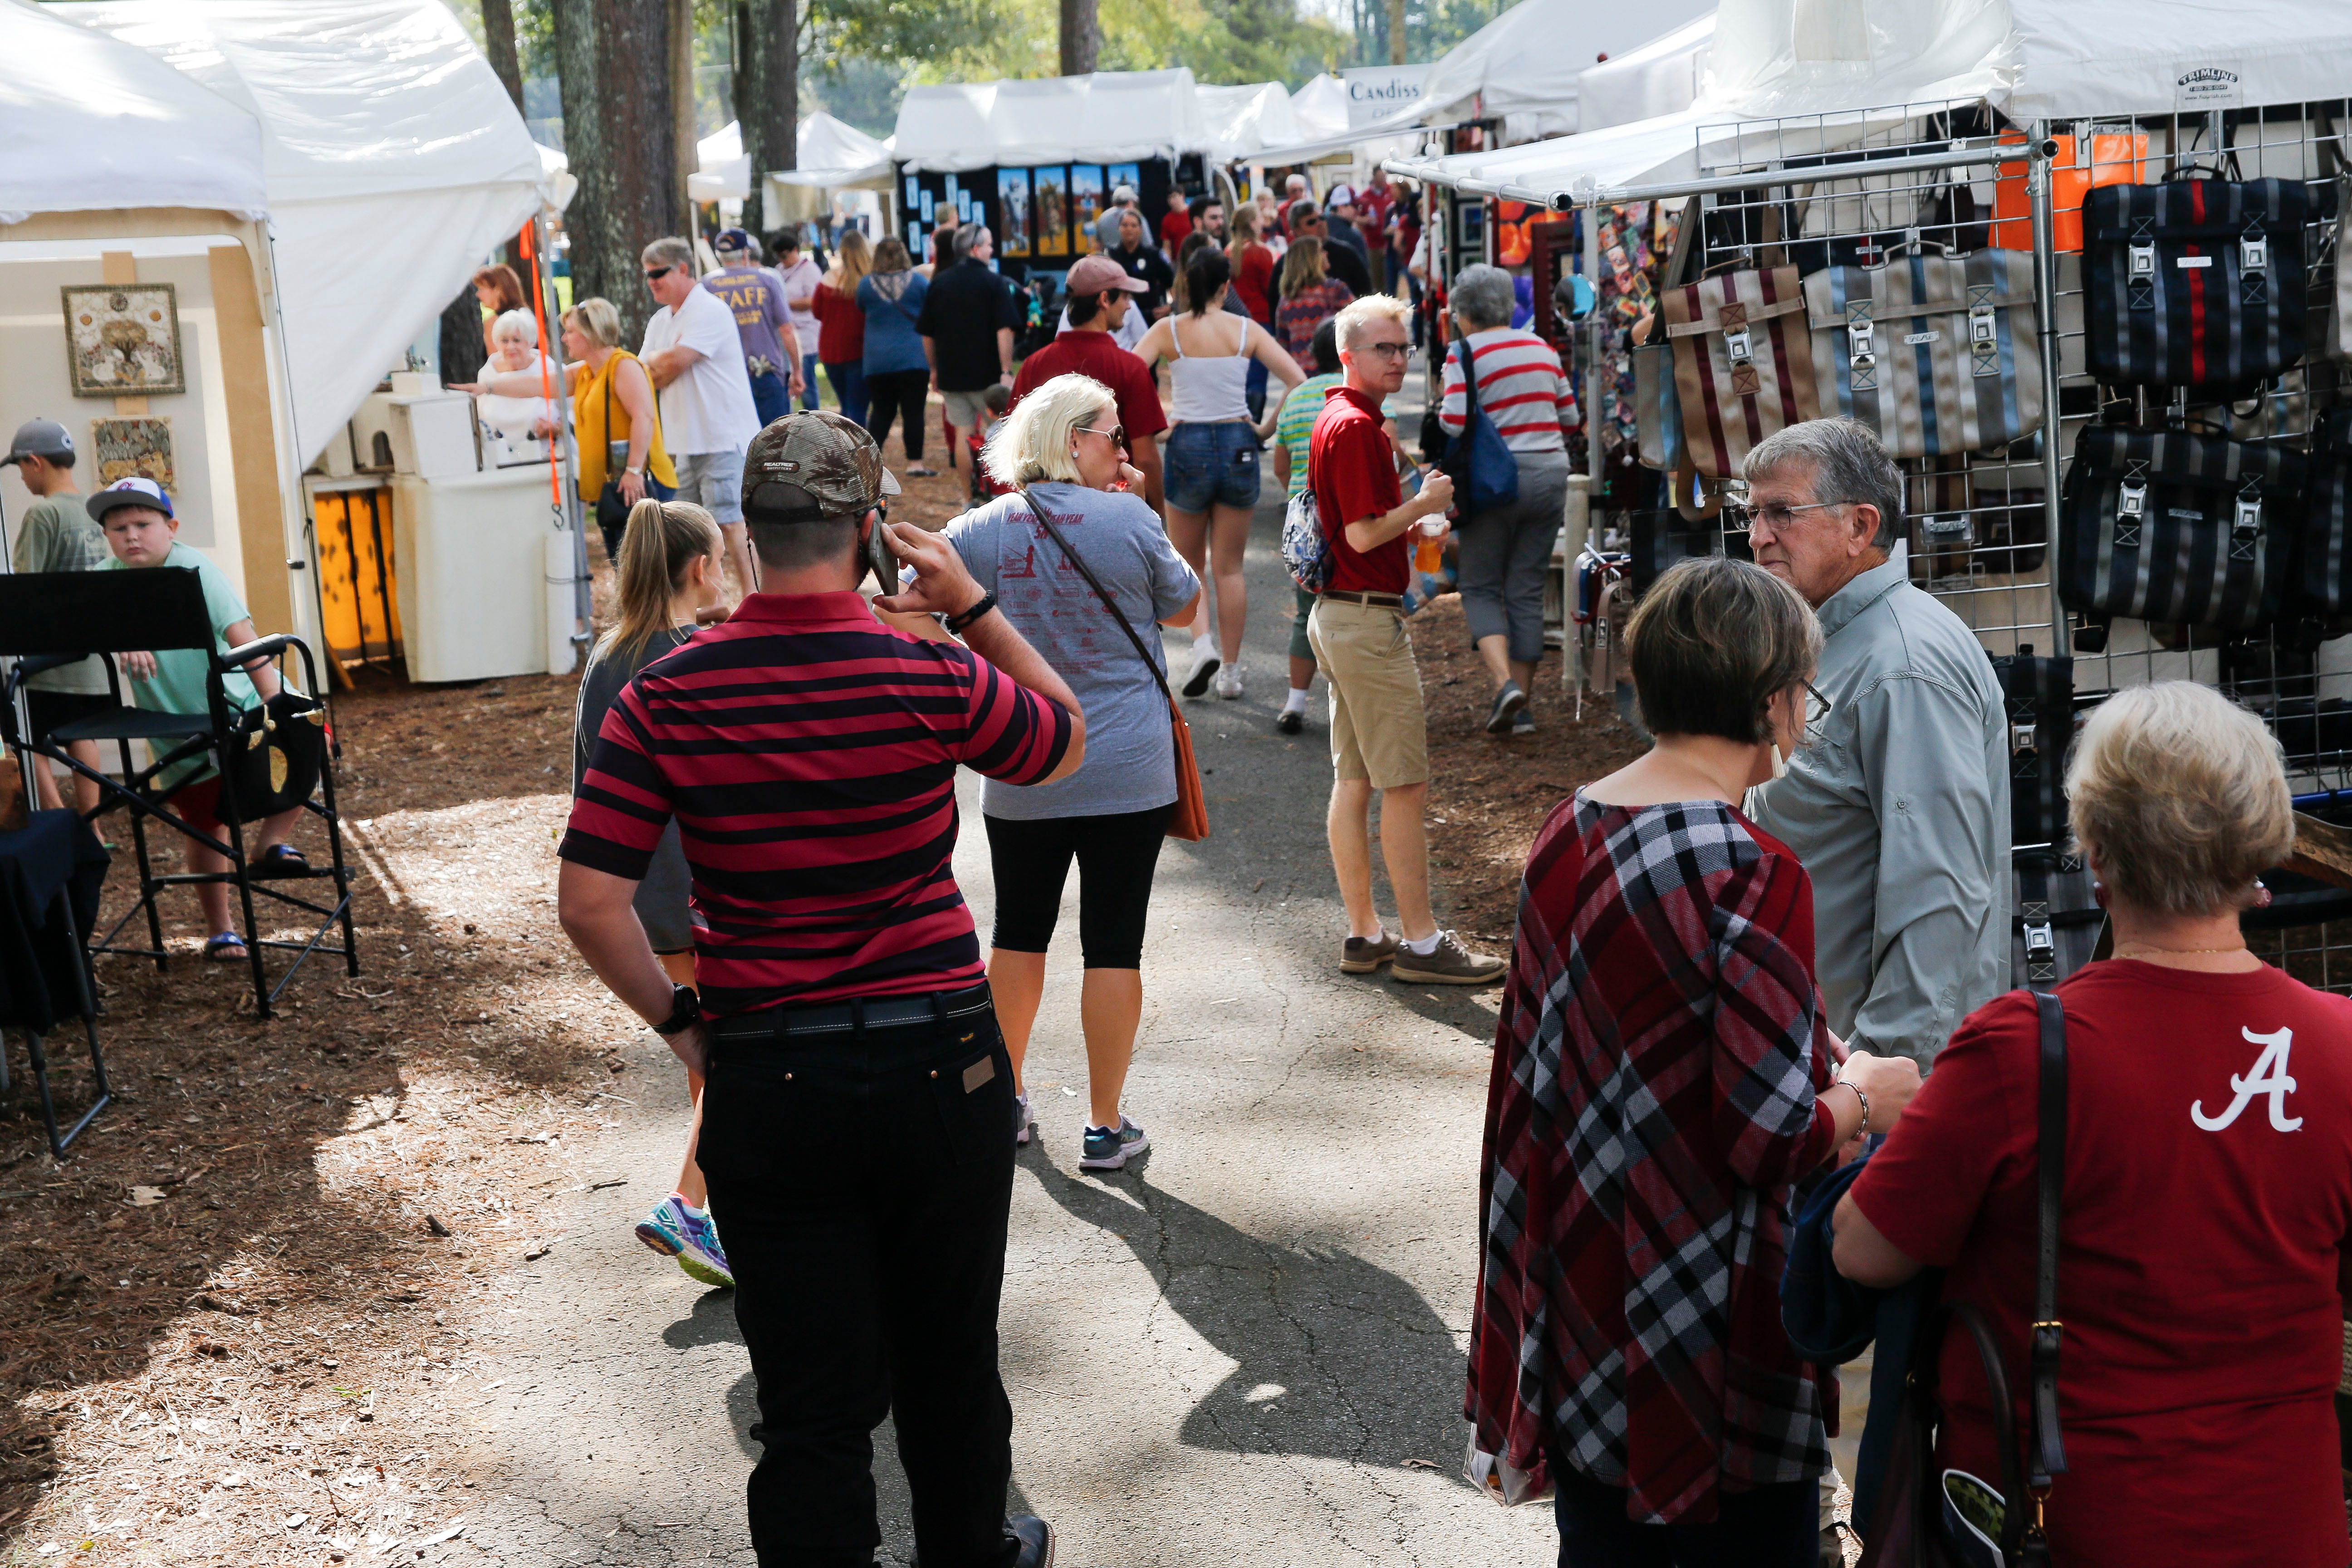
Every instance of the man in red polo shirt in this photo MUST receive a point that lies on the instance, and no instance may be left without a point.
(1100, 293)
(1379, 737)
(857, 1104)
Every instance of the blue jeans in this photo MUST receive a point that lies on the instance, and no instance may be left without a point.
(771, 396)
(848, 380)
(808, 379)
(1211, 465)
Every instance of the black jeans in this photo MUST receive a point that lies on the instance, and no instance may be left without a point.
(1770, 1527)
(862, 1187)
(899, 392)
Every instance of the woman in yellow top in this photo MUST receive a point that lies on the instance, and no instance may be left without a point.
(601, 376)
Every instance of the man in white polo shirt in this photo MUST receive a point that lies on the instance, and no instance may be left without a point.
(708, 418)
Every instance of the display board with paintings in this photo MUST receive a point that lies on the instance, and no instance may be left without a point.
(1043, 215)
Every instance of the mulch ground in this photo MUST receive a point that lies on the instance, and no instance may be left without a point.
(236, 1324)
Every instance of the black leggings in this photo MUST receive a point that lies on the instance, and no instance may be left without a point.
(1116, 856)
(899, 392)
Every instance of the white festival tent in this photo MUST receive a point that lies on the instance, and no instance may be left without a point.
(1660, 77)
(1319, 109)
(1110, 117)
(392, 159)
(1242, 122)
(1788, 84)
(830, 156)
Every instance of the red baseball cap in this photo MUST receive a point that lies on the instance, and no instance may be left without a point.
(1093, 274)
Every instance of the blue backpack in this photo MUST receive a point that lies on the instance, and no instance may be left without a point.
(1303, 549)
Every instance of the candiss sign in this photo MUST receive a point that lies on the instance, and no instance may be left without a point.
(1375, 93)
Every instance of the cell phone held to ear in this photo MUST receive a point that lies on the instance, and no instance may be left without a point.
(882, 559)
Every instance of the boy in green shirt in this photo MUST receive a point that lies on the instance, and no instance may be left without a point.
(1292, 432)
(55, 534)
(142, 531)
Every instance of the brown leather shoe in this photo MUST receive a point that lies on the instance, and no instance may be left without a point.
(1357, 956)
(1451, 965)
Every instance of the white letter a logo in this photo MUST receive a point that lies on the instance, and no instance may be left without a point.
(2269, 1076)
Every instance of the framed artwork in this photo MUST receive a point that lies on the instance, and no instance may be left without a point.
(133, 449)
(1013, 212)
(123, 339)
(1088, 199)
(1130, 174)
(1051, 235)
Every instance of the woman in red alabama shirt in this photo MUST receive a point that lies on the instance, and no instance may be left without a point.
(2208, 1196)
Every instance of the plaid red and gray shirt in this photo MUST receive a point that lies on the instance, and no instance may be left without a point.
(1655, 1070)
(808, 753)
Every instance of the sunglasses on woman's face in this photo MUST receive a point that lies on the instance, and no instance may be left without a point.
(1117, 432)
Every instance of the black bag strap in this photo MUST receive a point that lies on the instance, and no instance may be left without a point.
(2045, 1450)
(1045, 519)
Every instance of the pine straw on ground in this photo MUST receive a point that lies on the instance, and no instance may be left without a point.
(1488, 793)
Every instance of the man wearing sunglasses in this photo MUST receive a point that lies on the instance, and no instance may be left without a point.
(695, 354)
(1899, 805)
(1101, 294)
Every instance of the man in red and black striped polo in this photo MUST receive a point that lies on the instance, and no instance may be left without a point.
(858, 1112)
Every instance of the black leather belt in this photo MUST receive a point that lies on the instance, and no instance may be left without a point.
(843, 1020)
(1376, 601)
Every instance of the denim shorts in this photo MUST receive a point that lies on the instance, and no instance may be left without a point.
(1211, 465)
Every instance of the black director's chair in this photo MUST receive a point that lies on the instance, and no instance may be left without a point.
(265, 757)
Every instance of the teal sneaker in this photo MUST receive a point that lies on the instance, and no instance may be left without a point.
(1109, 1149)
(678, 1229)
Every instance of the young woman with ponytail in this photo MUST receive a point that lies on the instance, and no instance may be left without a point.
(671, 570)
(1210, 470)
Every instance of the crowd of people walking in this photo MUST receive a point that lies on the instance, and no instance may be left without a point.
(1754, 1063)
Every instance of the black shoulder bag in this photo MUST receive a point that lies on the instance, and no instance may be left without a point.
(1919, 1523)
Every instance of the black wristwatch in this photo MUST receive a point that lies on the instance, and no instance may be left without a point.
(685, 1009)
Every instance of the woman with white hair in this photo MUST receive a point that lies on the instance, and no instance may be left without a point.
(1505, 549)
(2205, 1238)
(1064, 454)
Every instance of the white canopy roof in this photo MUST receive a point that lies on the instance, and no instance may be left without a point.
(1850, 65)
(1321, 107)
(91, 124)
(1523, 66)
(393, 158)
(1660, 77)
(829, 153)
(1110, 117)
(1244, 120)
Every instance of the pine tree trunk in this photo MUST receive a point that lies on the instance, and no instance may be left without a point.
(499, 43)
(1081, 36)
(1396, 32)
(681, 99)
(767, 95)
(612, 57)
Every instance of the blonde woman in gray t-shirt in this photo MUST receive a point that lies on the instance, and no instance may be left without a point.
(1062, 446)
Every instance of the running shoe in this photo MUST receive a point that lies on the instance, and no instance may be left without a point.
(1204, 665)
(1523, 722)
(1229, 682)
(1024, 1121)
(1508, 703)
(704, 1259)
(660, 1230)
(1107, 1150)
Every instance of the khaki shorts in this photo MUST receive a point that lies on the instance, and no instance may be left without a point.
(965, 409)
(1378, 730)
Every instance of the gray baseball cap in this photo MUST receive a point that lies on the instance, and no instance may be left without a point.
(40, 439)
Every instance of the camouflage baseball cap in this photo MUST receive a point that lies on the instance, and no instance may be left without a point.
(811, 466)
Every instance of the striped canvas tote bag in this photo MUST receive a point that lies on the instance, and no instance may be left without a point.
(2194, 283)
(1743, 368)
(2322, 582)
(2168, 525)
(1938, 353)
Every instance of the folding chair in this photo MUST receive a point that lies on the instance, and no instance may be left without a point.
(51, 618)
(50, 876)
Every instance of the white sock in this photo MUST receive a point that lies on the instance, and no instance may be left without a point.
(1296, 701)
(1379, 934)
(1201, 643)
(1425, 946)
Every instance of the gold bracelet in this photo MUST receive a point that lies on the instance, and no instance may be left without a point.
(1862, 1130)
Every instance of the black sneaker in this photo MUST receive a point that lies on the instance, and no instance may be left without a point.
(1036, 1539)
(1290, 720)
(1508, 703)
(1523, 723)
(1204, 665)
(1111, 1148)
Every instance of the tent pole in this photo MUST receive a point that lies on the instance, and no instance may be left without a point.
(2046, 311)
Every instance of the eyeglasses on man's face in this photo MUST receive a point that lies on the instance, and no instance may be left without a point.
(1380, 349)
(1774, 516)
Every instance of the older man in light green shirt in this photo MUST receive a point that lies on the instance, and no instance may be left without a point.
(1899, 806)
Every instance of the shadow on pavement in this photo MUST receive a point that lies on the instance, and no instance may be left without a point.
(1337, 1358)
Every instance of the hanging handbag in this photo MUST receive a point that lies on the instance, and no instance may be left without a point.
(273, 757)
(2038, 695)
(1742, 367)
(1657, 412)
(2195, 281)
(1939, 354)
(1485, 475)
(2320, 587)
(2170, 526)
(612, 510)
(1929, 1517)
(1189, 820)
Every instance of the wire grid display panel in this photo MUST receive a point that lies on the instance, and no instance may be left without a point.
(1977, 522)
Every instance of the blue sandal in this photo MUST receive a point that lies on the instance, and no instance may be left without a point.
(227, 948)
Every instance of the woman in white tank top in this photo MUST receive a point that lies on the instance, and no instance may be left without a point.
(1211, 469)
